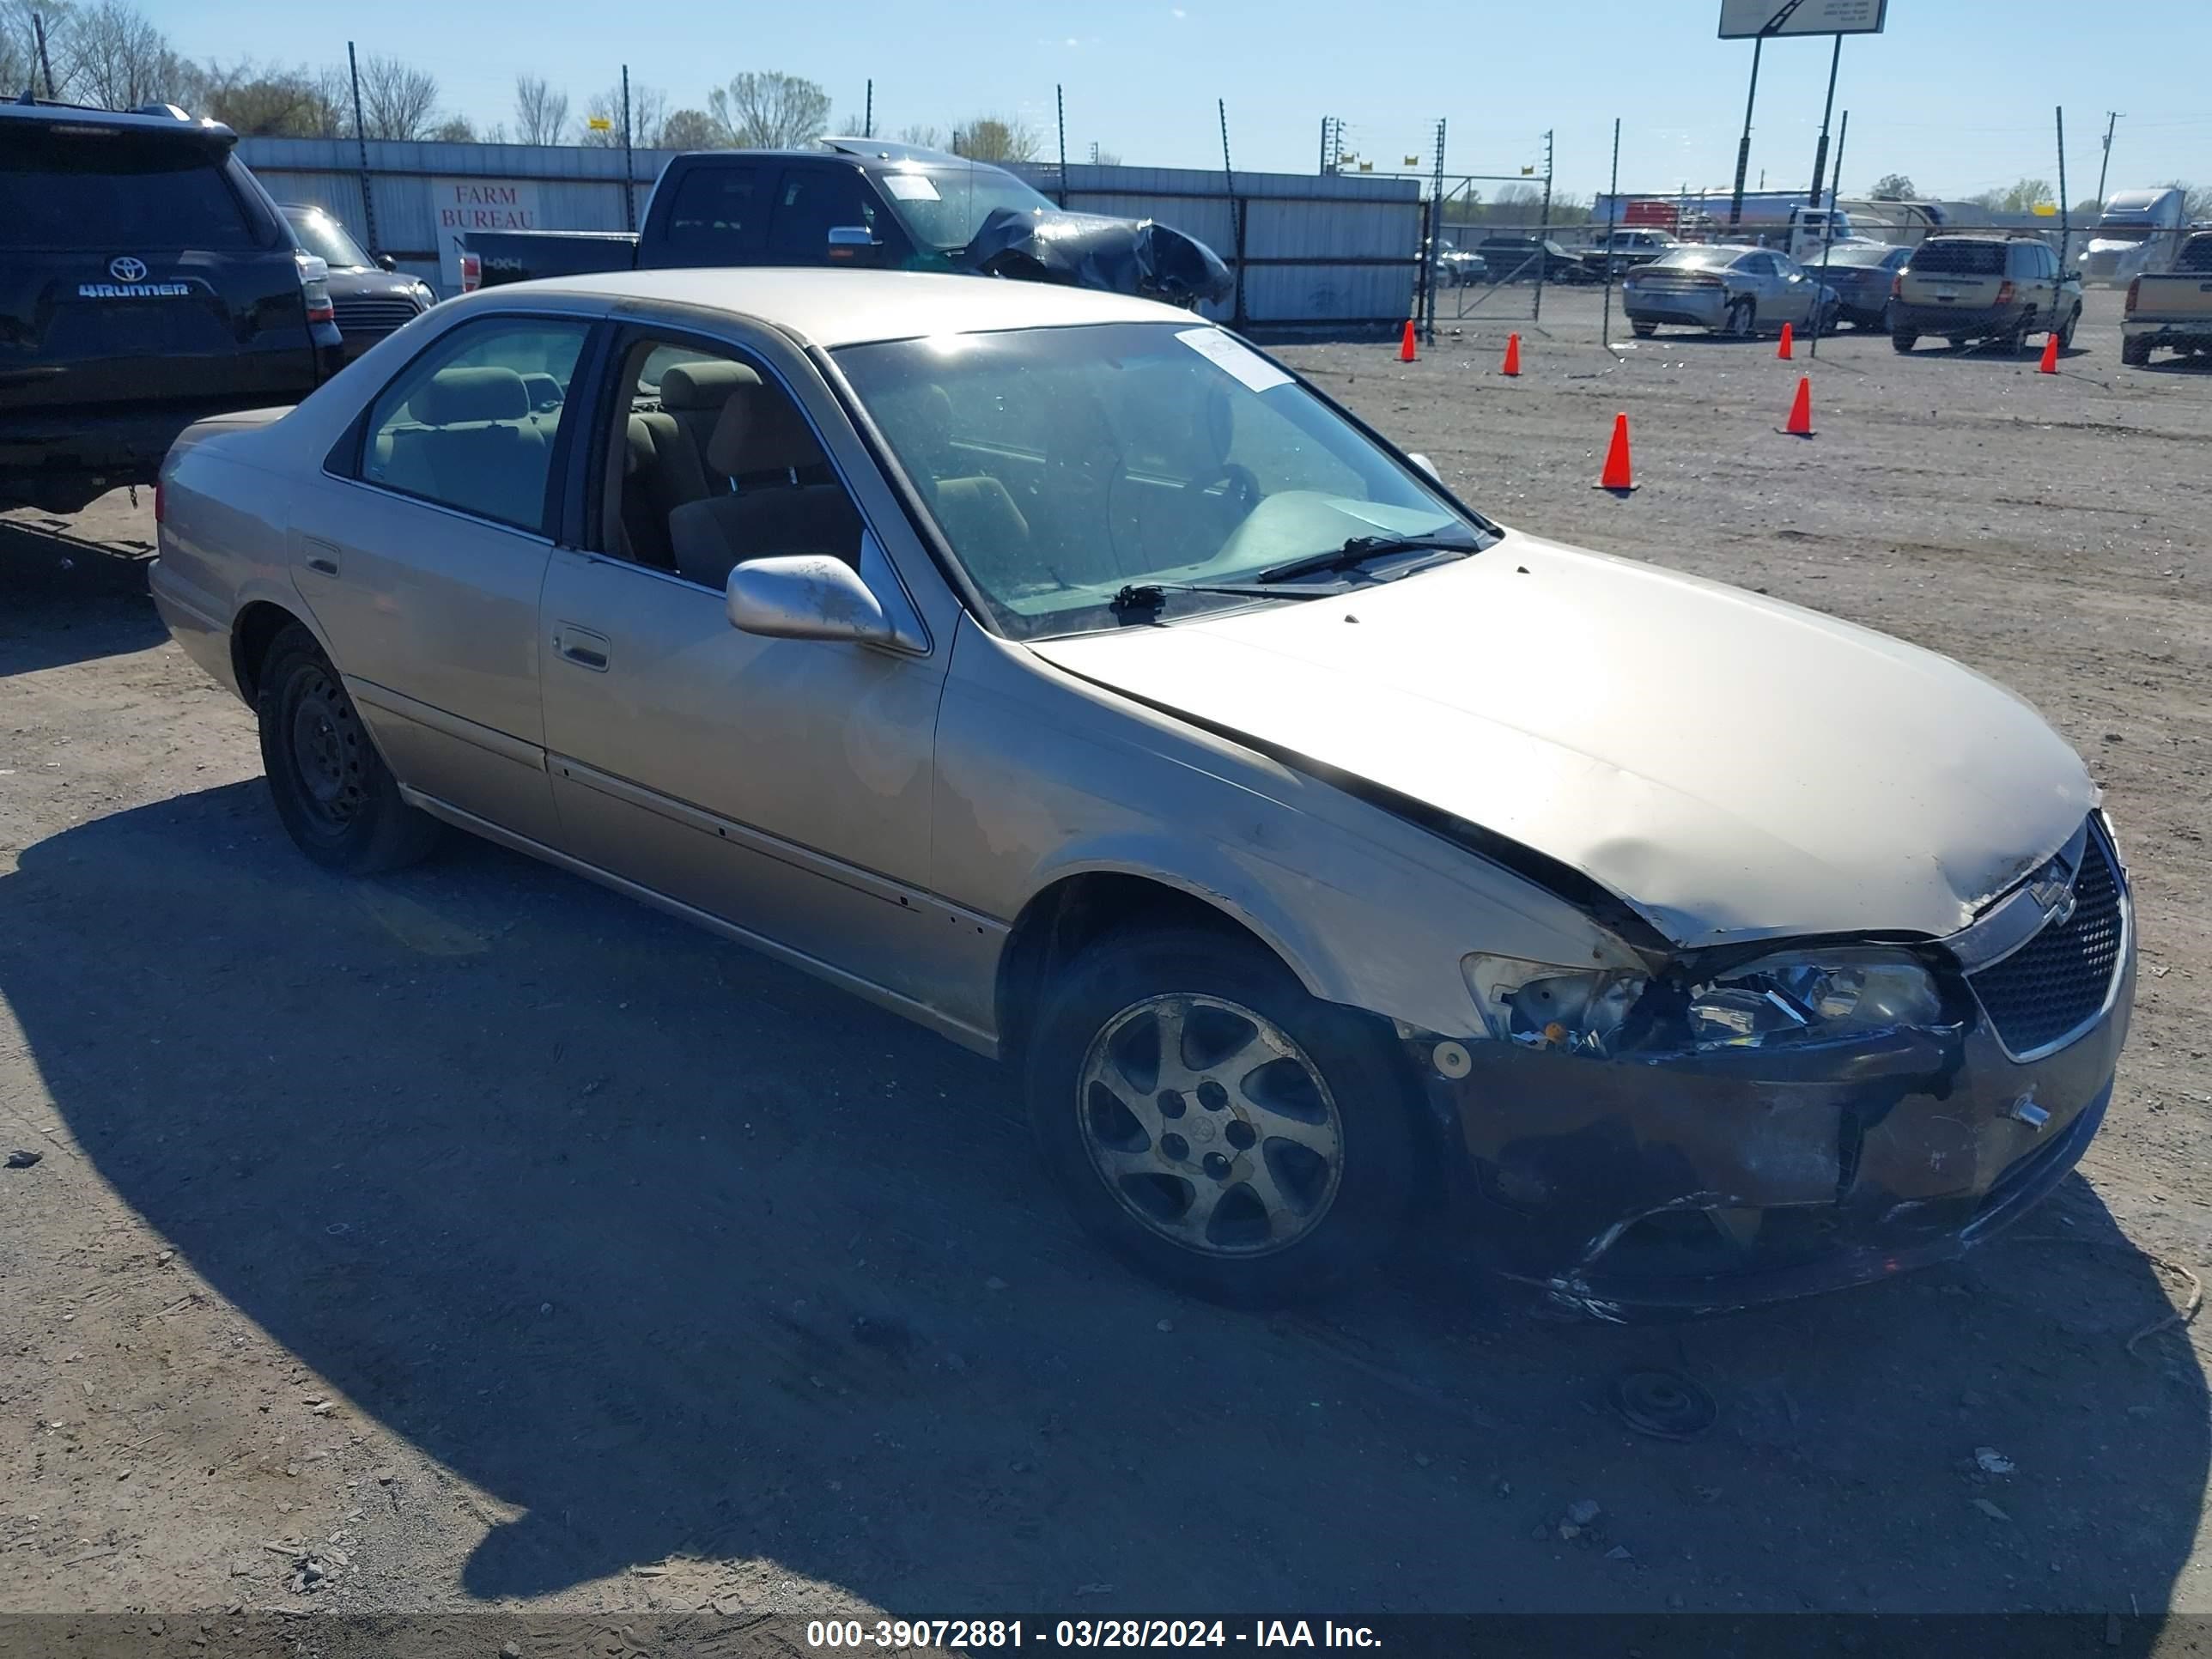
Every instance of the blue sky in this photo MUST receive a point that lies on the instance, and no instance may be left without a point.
(1937, 97)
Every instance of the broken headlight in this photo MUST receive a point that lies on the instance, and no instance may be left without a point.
(1820, 995)
(1542, 1005)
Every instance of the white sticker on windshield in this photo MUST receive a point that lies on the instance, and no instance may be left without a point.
(1240, 360)
(911, 187)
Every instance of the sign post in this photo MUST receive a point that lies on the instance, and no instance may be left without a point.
(1756, 21)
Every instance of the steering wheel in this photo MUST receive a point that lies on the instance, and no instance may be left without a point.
(1243, 488)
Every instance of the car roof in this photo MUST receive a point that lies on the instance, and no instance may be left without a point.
(830, 308)
(158, 121)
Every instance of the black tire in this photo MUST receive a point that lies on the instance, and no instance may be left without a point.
(2136, 353)
(337, 799)
(2014, 340)
(1644, 331)
(1741, 322)
(1094, 1019)
(2066, 334)
(1902, 340)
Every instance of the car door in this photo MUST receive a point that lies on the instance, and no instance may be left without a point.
(421, 550)
(1797, 291)
(782, 786)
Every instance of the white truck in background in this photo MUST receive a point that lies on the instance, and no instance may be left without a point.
(2138, 234)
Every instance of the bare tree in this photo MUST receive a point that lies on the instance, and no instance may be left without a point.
(19, 47)
(927, 138)
(266, 101)
(397, 102)
(118, 58)
(997, 138)
(541, 114)
(770, 110)
(2195, 200)
(693, 129)
(457, 130)
(649, 117)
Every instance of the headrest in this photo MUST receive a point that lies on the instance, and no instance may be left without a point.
(702, 384)
(471, 394)
(761, 430)
(638, 454)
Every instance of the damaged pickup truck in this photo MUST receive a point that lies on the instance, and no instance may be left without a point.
(1062, 673)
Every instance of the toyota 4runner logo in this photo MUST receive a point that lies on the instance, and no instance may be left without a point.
(130, 283)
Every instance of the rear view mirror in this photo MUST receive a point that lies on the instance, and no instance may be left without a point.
(852, 244)
(809, 596)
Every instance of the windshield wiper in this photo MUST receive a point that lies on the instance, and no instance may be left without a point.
(1151, 596)
(1360, 549)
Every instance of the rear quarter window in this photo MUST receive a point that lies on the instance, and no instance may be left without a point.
(115, 196)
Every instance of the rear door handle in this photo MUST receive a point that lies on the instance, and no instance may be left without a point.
(582, 646)
(321, 557)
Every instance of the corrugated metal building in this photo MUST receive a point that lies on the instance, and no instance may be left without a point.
(1318, 252)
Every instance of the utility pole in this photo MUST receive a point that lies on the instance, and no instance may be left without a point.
(2065, 235)
(2112, 120)
(1820, 151)
(1743, 144)
(629, 171)
(1543, 238)
(45, 63)
(1059, 103)
(361, 142)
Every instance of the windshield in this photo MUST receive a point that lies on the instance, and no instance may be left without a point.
(326, 238)
(1064, 464)
(944, 207)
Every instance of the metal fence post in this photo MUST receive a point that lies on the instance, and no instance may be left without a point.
(361, 139)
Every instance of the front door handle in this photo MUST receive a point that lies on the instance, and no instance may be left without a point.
(582, 646)
(321, 557)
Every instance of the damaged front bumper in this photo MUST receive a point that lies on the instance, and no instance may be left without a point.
(1698, 1182)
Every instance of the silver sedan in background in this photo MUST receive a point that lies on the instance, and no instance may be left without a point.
(1728, 290)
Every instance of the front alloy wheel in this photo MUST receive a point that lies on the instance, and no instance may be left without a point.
(1209, 1125)
(1215, 1125)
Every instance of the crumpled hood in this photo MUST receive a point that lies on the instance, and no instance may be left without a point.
(1141, 256)
(1734, 767)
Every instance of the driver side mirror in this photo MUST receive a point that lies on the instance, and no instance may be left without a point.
(809, 596)
(1426, 465)
(853, 245)
(387, 262)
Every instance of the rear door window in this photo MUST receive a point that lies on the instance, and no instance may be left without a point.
(722, 211)
(471, 424)
(120, 195)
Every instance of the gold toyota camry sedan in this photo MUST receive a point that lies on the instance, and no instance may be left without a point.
(1059, 669)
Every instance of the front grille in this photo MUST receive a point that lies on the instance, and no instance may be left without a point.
(373, 316)
(2059, 980)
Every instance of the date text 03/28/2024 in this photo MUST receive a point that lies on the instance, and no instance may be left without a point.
(896, 1634)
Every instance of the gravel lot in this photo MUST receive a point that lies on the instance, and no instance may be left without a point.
(476, 1239)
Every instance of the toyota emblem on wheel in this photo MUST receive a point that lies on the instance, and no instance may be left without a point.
(127, 270)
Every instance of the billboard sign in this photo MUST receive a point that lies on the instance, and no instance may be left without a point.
(1742, 19)
(461, 205)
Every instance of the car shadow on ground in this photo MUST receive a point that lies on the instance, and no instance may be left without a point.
(676, 1251)
(64, 600)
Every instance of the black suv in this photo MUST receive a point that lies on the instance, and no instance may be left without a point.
(146, 280)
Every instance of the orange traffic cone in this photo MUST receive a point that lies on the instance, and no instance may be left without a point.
(1405, 352)
(2050, 363)
(1801, 411)
(1512, 365)
(1788, 341)
(1618, 476)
